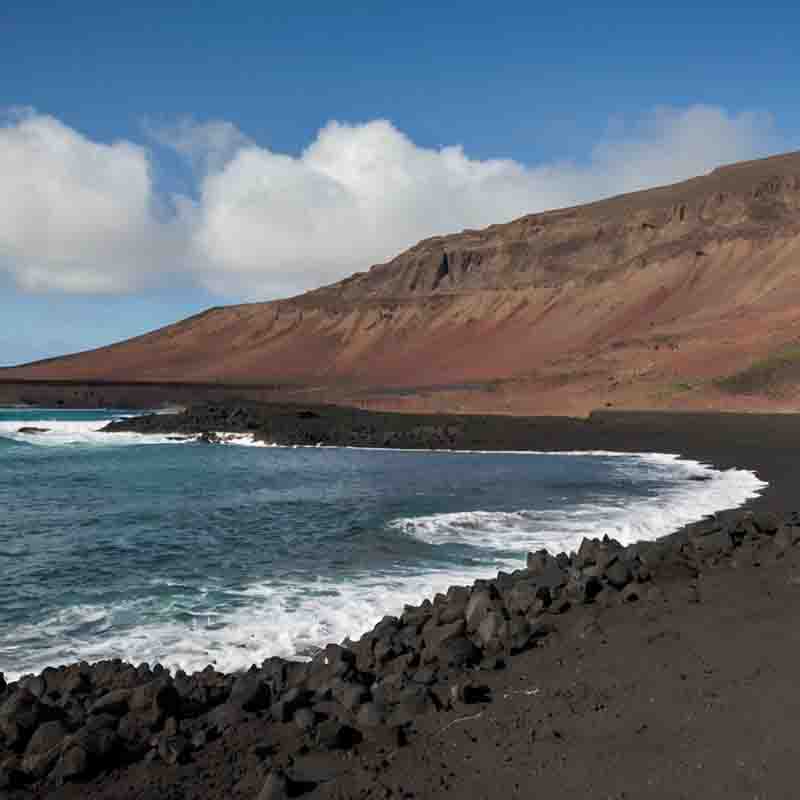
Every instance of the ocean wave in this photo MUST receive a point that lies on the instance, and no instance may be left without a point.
(273, 619)
(58, 433)
(698, 490)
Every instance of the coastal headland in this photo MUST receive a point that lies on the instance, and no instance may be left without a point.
(661, 669)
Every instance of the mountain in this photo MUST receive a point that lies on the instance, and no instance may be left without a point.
(685, 296)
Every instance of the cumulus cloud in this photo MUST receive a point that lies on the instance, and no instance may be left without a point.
(75, 215)
(78, 216)
(669, 145)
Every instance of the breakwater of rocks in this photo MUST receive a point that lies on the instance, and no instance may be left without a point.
(79, 723)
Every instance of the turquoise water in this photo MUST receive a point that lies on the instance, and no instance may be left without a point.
(189, 554)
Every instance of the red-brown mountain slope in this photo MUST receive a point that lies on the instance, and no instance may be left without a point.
(681, 296)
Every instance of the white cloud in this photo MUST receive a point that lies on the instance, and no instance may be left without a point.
(80, 216)
(75, 215)
(670, 145)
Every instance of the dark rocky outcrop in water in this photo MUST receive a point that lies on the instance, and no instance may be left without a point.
(308, 425)
(73, 724)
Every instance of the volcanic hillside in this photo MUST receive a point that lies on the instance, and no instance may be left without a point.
(686, 296)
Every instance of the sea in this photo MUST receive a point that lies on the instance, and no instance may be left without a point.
(162, 550)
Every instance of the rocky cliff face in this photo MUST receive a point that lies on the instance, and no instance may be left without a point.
(682, 296)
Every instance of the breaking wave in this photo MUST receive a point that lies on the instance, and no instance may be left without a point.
(89, 433)
(699, 490)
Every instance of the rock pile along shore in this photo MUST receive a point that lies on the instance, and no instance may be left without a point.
(79, 723)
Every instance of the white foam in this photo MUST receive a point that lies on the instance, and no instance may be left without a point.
(241, 440)
(280, 619)
(58, 433)
(699, 490)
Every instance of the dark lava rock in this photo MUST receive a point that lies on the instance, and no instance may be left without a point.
(11, 777)
(618, 574)
(285, 708)
(587, 553)
(459, 653)
(134, 732)
(250, 692)
(73, 764)
(155, 701)
(200, 739)
(35, 685)
(334, 735)
(492, 631)
(416, 616)
(538, 561)
(228, 716)
(36, 766)
(524, 597)
(276, 787)
(631, 593)
(413, 702)
(174, 749)
(305, 719)
(279, 674)
(46, 737)
(469, 693)
(584, 589)
(279, 786)
(456, 601)
(597, 552)
(115, 703)
(766, 522)
(98, 743)
(481, 603)
(435, 636)
(334, 661)
(73, 680)
(370, 716)
(20, 715)
(102, 722)
(351, 696)
(552, 578)
(519, 635)
(425, 677)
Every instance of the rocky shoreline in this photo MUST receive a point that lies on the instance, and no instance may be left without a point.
(79, 730)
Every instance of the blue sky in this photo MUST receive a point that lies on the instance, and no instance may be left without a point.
(159, 158)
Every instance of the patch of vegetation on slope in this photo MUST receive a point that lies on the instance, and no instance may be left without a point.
(767, 375)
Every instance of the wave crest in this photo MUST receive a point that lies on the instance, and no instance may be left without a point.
(699, 490)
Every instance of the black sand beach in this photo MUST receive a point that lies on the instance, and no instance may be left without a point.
(658, 670)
